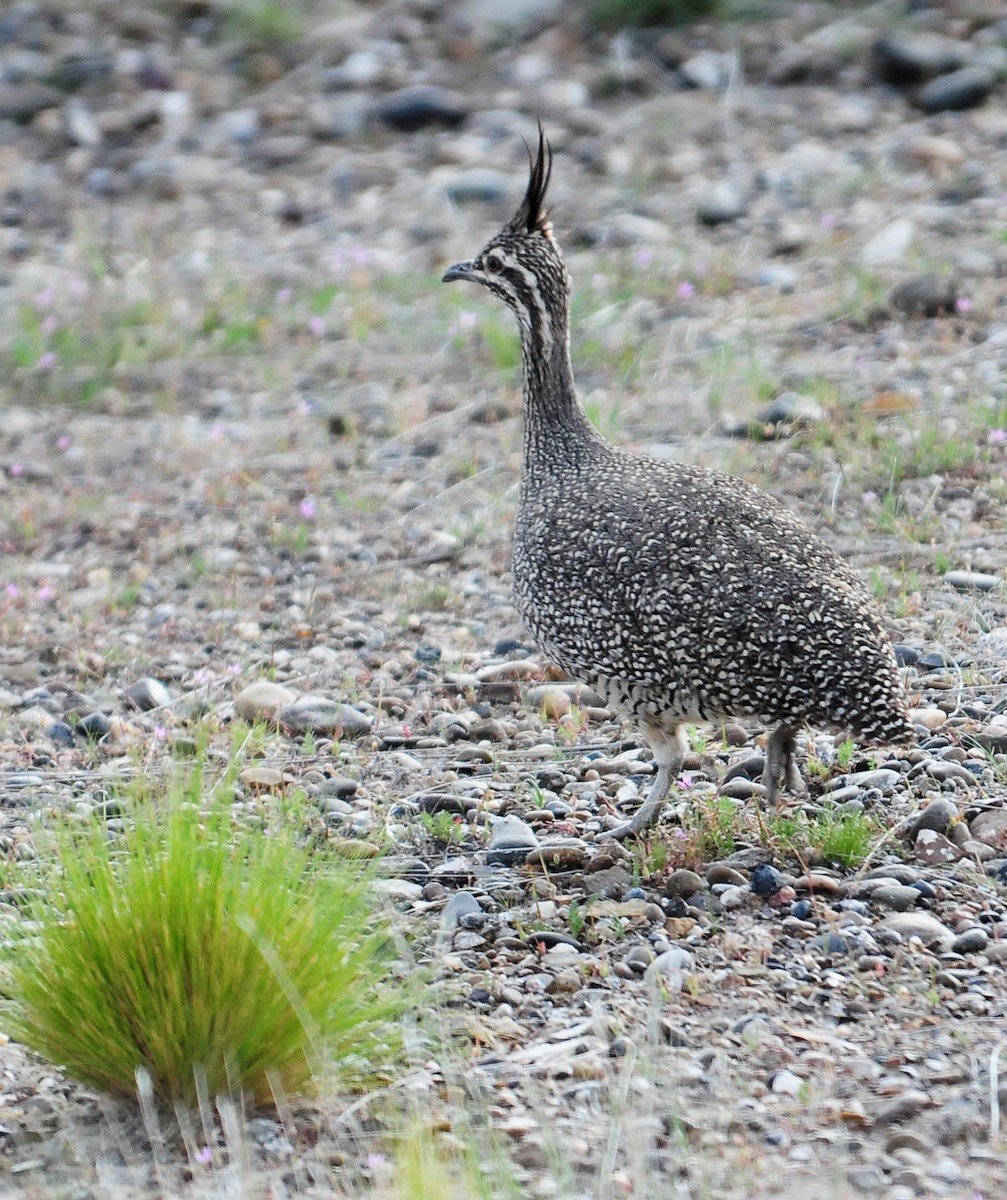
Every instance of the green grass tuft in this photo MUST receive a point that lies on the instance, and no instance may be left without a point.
(208, 954)
(845, 839)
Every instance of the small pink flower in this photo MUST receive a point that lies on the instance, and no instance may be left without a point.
(317, 326)
(44, 298)
(359, 256)
(64, 442)
(685, 780)
(686, 290)
(374, 1161)
(869, 497)
(160, 733)
(216, 431)
(233, 668)
(11, 589)
(45, 592)
(49, 325)
(963, 304)
(283, 296)
(308, 508)
(16, 469)
(996, 437)
(46, 361)
(643, 258)
(204, 1156)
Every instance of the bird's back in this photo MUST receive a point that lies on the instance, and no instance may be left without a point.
(683, 591)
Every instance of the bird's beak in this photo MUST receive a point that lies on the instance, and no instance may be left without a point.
(462, 270)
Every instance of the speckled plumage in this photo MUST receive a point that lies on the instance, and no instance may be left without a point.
(681, 594)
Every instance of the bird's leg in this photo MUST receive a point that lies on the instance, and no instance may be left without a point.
(781, 770)
(669, 746)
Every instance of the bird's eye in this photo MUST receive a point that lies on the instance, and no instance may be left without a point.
(494, 264)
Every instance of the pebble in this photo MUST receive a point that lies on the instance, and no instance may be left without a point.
(511, 839)
(94, 726)
(567, 854)
(896, 896)
(720, 202)
(971, 941)
(766, 880)
(972, 581)
(927, 295)
(938, 816)
(957, 90)
(262, 701)
(422, 107)
(318, 714)
(461, 904)
(935, 849)
(146, 694)
(786, 1083)
(919, 924)
(889, 245)
(683, 883)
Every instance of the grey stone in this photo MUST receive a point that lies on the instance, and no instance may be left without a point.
(710, 70)
(460, 905)
(146, 694)
(23, 101)
(476, 183)
(905, 59)
(318, 714)
(896, 896)
(720, 202)
(938, 815)
(990, 826)
(411, 109)
(971, 941)
(262, 699)
(889, 245)
(927, 295)
(669, 965)
(959, 90)
(974, 581)
(683, 883)
(920, 925)
(884, 779)
(510, 841)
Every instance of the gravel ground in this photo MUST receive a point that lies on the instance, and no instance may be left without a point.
(258, 466)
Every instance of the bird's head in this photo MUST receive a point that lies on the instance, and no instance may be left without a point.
(522, 264)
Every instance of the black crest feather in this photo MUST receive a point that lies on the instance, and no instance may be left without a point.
(532, 214)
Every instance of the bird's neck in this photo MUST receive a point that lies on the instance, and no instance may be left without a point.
(555, 424)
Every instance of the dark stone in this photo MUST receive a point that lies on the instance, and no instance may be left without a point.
(924, 296)
(962, 89)
(801, 909)
(78, 70)
(906, 656)
(61, 734)
(903, 60)
(415, 108)
(94, 726)
(23, 101)
(426, 653)
(766, 880)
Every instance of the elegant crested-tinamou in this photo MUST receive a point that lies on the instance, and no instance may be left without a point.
(680, 594)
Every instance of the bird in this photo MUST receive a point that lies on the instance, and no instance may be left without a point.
(681, 594)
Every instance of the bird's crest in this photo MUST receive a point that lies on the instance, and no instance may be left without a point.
(532, 216)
